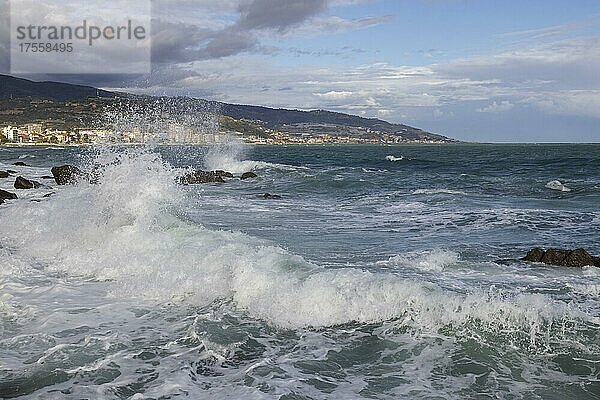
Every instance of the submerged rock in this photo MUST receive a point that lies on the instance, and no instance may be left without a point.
(66, 174)
(22, 183)
(248, 175)
(20, 164)
(4, 195)
(198, 177)
(269, 196)
(563, 258)
(4, 174)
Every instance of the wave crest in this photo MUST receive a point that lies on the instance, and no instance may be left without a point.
(126, 230)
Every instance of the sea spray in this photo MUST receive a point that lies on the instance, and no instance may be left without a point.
(229, 155)
(138, 287)
(160, 121)
(125, 229)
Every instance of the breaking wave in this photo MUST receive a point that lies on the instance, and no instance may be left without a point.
(437, 191)
(394, 158)
(126, 230)
(558, 185)
(229, 156)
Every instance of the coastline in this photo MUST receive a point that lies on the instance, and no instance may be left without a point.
(58, 145)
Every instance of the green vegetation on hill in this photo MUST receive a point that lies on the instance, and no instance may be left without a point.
(65, 106)
(13, 88)
(246, 127)
(54, 114)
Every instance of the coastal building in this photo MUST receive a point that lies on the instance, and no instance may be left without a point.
(32, 132)
(95, 135)
(11, 133)
(62, 136)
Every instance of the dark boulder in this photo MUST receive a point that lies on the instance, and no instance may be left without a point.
(223, 174)
(66, 174)
(562, 258)
(4, 195)
(248, 175)
(22, 183)
(555, 256)
(269, 196)
(20, 164)
(580, 258)
(4, 174)
(535, 255)
(198, 177)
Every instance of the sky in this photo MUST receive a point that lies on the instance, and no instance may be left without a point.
(474, 70)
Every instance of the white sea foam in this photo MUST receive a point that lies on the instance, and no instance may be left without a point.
(228, 156)
(373, 171)
(125, 230)
(437, 191)
(394, 158)
(558, 185)
(586, 289)
(434, 260)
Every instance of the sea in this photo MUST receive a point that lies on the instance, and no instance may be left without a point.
(381, 272)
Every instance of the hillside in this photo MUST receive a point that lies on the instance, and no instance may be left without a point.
(14, 88)
(57, 104)
(280, 118)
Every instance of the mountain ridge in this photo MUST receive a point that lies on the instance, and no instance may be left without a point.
(287, 120)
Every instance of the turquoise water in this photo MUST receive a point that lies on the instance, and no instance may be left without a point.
(374, 276)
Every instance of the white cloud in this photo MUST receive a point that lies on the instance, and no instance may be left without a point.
(497, 107)
(559, 78)
(584, 103)
(566, 64)
(333, 95)
(337, 24)
(548, 78)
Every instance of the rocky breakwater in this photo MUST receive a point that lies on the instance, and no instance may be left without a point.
(201, 176)
(562, 258)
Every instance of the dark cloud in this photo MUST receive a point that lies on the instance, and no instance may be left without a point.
(277, 14)
(4, 36)
(229, 42)
(178, 42)
(187, 31)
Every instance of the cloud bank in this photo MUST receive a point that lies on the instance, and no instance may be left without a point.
(239, 51)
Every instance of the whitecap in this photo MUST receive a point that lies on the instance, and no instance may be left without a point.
(394, 158)
(437, 191)
(557, 185)
(228, 156)
(434, 260)
(125, 231)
